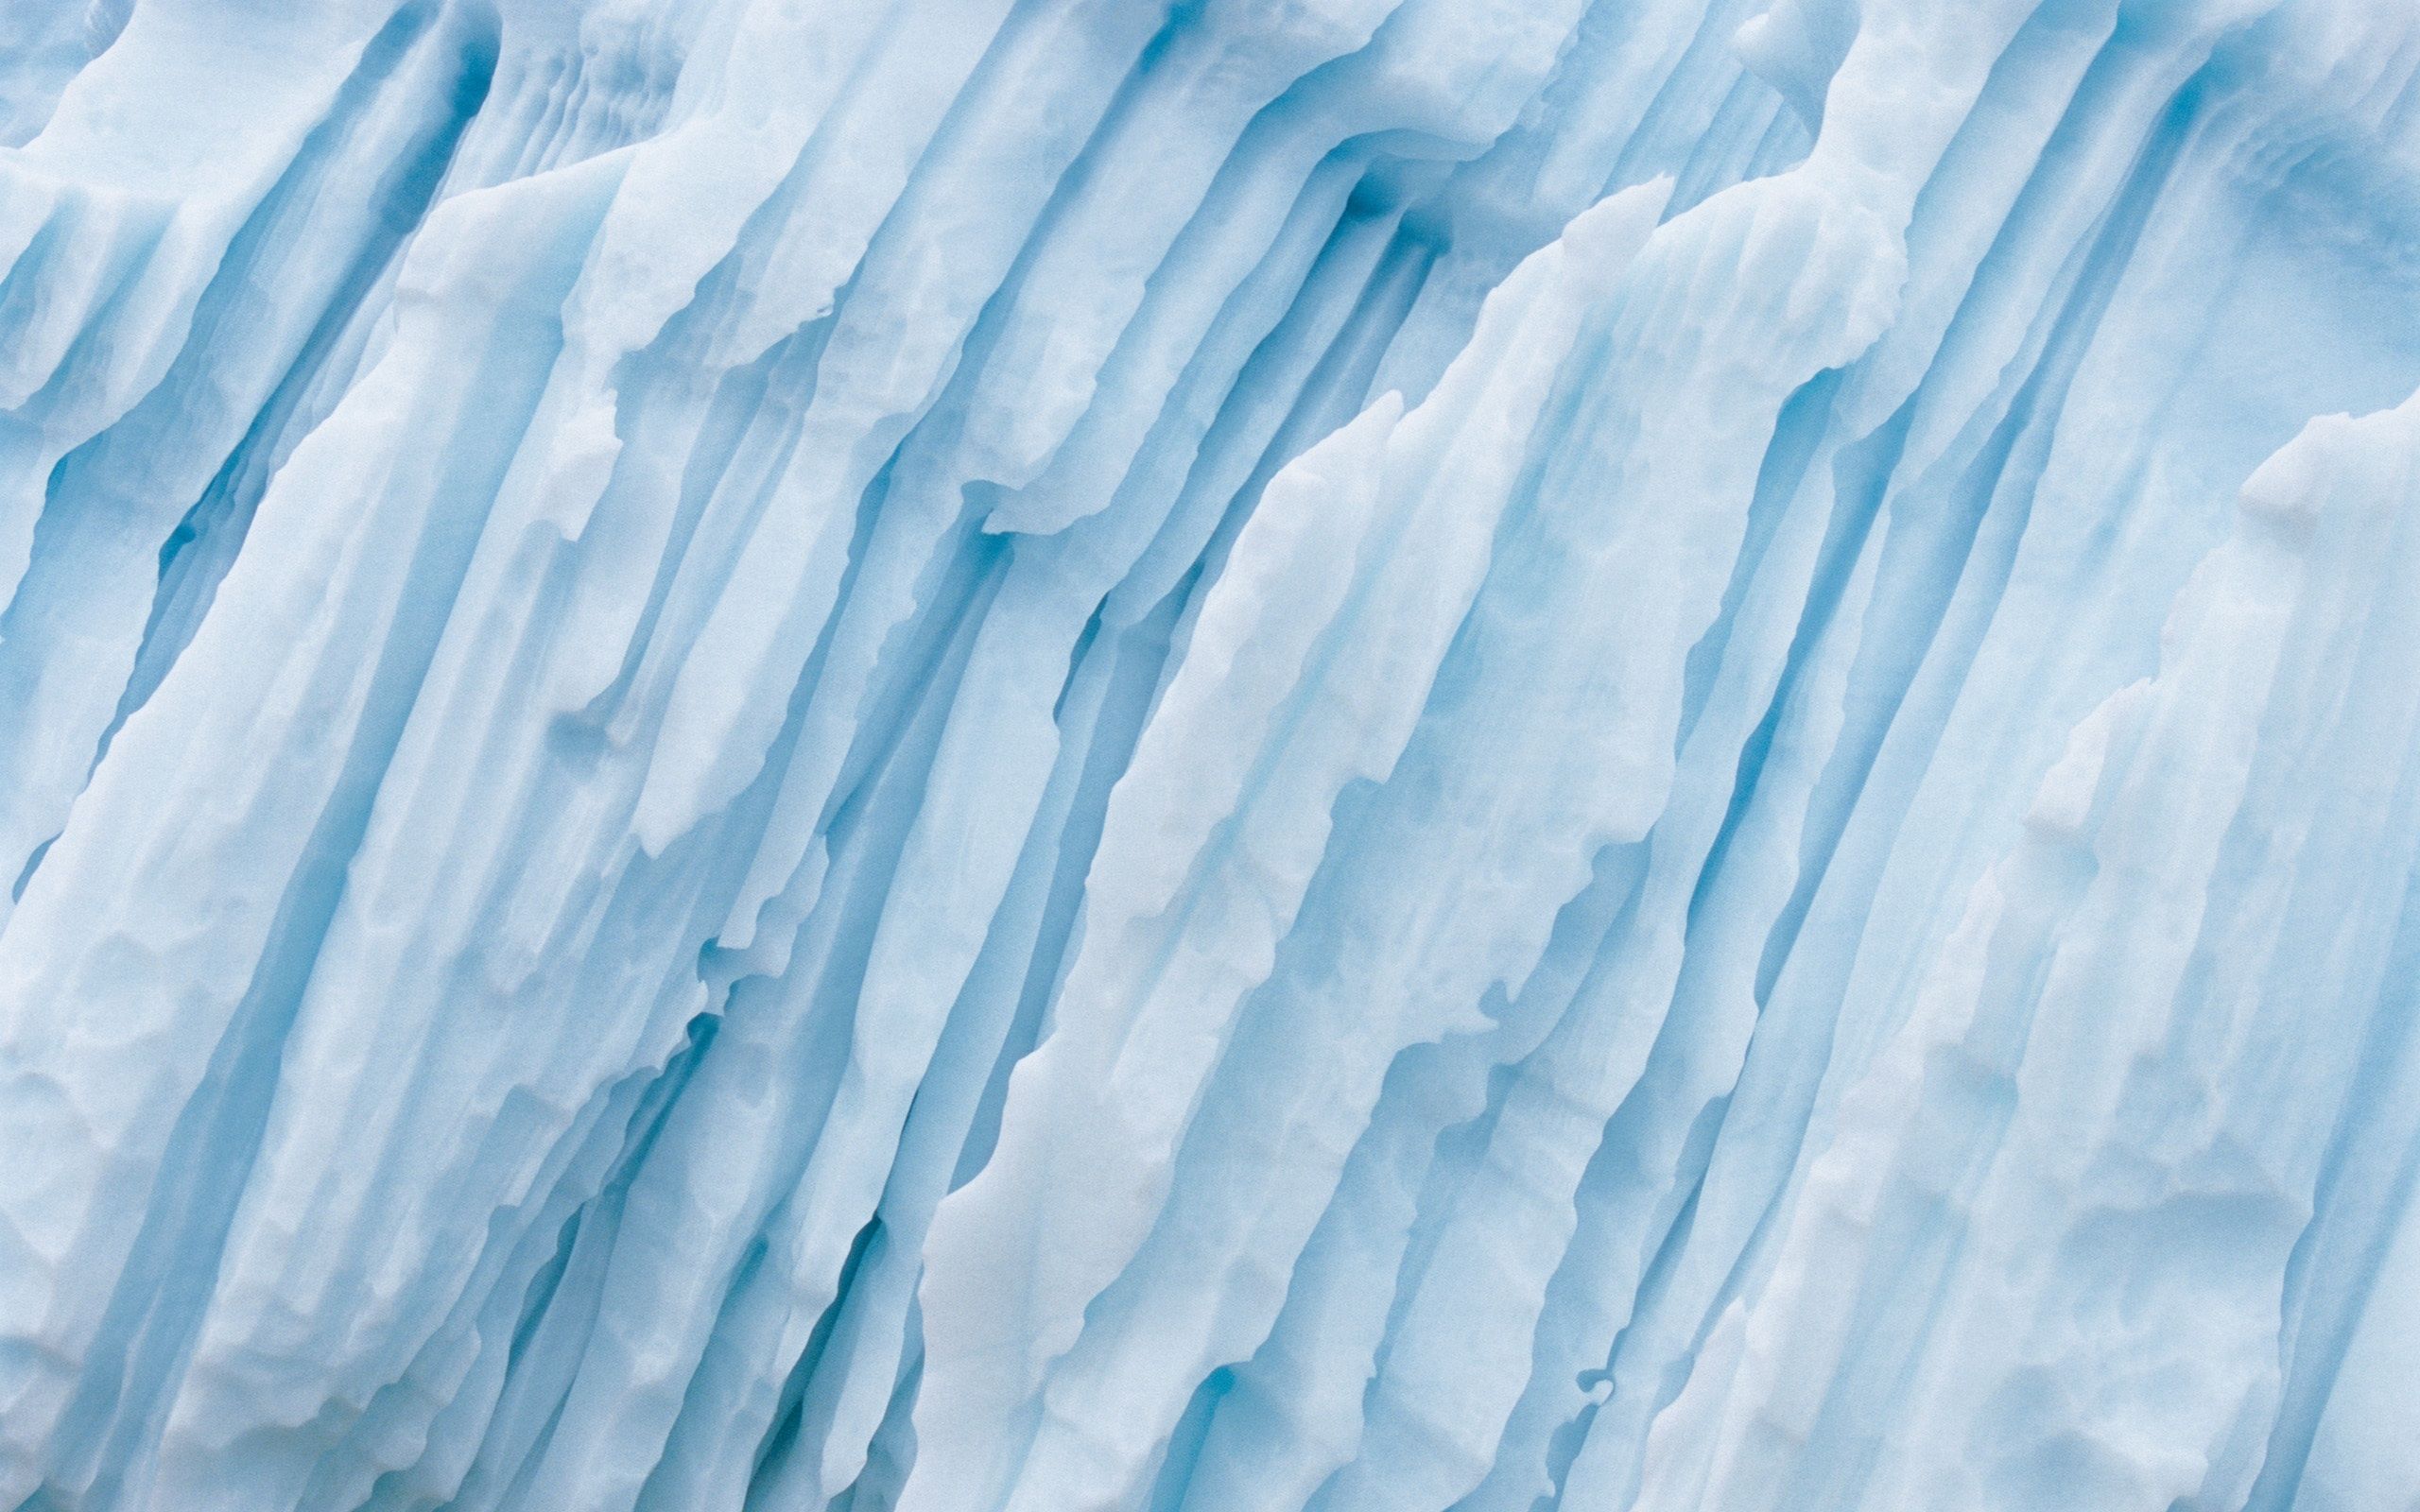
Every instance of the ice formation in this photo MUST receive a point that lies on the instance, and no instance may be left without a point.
(1228, 756)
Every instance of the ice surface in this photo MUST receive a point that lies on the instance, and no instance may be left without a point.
(1228, 756)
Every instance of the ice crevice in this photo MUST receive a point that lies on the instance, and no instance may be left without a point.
(1227, 756)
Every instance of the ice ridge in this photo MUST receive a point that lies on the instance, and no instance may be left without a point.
(1209, 755)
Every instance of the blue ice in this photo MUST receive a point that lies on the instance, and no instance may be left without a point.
(1227, 756)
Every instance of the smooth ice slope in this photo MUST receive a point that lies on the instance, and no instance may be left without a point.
(1241, 756)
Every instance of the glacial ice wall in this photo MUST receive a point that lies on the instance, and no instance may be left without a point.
(1228, 756)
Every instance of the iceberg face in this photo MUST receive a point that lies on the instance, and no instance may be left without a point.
(1244, 756)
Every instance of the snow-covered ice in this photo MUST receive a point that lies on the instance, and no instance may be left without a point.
(1210, 755)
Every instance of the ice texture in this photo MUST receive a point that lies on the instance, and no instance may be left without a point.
(1227, 756)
